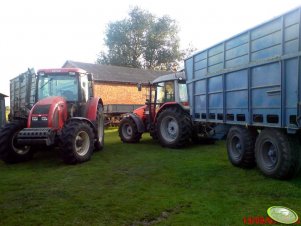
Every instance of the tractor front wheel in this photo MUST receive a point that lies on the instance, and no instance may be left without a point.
(128, 131)
(10, 150)
(77, 142)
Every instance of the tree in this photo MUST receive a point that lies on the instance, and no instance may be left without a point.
(142, 41)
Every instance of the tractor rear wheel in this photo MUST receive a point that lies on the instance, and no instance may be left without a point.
(10, 150)
(77, 142)
(128, 131)
(99, 143)
(174, 128)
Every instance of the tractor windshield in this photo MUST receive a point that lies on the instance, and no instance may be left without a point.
(64, 85)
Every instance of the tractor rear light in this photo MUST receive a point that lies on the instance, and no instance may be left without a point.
(44, 118)
(34, 118)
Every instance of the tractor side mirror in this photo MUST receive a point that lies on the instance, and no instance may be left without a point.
(139, 86)
(90, 77)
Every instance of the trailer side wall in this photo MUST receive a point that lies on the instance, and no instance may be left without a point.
(252, 78)
(22, 93)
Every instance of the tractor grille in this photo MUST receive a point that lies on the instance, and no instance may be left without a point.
(39, 123)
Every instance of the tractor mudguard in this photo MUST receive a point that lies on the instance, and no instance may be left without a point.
(138, 122)
(85, 120)
(91, 108)
(167, 105)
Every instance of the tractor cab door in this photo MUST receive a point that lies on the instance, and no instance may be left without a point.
(84, 88)
(160, 94)
(165, 92)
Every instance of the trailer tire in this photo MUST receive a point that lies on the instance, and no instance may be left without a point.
(100, 125)
(76, 142)
(174, 127)
(10, 151)
(128, 131)
(240, 146)
(277, 155)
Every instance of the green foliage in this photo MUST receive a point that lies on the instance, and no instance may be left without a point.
(142, 41)
(139, 184)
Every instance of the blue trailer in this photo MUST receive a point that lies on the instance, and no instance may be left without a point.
(248, 87)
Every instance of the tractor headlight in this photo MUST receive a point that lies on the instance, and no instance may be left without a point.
(44, 118)
(34, 118)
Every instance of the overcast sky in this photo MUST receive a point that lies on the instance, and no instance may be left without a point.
(46, 33)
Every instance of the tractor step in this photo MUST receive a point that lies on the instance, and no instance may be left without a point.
(35, 136)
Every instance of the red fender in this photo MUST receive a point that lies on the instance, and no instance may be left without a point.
(91, 108)
(165, 105)
(140, 112)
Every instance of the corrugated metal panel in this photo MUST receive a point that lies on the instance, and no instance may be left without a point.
(252, 78)
(22, 93)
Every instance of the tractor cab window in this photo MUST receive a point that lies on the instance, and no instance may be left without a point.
(169, 91)
(84, 88)
(160, 92)
(165, 92)
(183, 95)
(58, 85)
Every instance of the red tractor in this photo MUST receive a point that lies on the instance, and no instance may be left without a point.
(64, 114)
(165, 114)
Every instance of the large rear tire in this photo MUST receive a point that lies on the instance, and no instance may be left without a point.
(77, 142)
(240, 146)
(10, 150)
(128, 131)
(174, 127)
(277, 154)
(99, 142)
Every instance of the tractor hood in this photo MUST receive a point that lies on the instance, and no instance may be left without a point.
(49, 112)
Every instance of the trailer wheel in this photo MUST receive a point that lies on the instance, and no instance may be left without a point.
(77, 142)
(128, 131)
(99, 143)
(174, 128)
(240, 146)
(277, 155)
(10, 150)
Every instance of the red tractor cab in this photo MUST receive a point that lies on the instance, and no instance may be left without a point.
(165, 115)
(65, 114)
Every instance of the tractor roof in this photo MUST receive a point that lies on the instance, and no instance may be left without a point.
(170, 77)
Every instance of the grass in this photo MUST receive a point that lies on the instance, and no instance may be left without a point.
(139, 184)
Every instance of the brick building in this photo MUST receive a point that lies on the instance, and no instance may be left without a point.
(118, 85)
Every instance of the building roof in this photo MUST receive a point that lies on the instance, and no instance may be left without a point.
(3, 95)
(109, 73)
